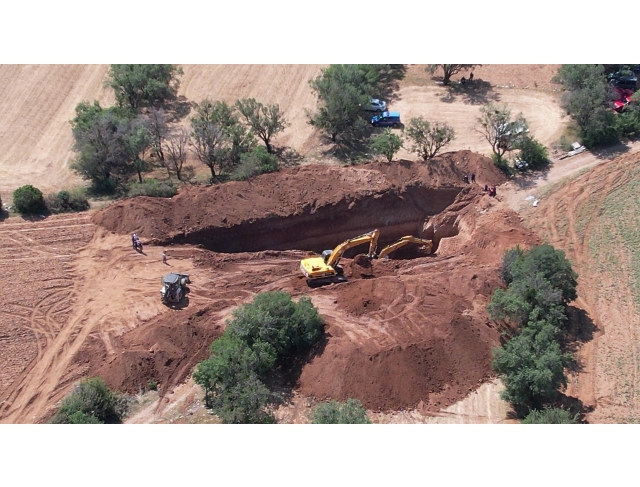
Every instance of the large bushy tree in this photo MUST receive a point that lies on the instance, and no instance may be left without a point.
(138, 85)
(90, 402)
(260, 335)
(342, 90)
(588, 102)
(111, 144)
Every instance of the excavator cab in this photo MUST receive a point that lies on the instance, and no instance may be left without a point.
(325, 269)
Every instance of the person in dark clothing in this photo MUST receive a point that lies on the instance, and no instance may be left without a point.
(465, 178)
(473, 177)
(471, 77)
(486, 188)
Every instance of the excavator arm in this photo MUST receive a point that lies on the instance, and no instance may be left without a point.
(402, 242)
(338, 252)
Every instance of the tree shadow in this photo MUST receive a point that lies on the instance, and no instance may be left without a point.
(528, 179)
(178, 108)
(611, 152)
(389, 78)
(477, 92)
(3, 215)
(572, 404)
(350, 150)
(288, 156)
(286, 377)
(579, 329)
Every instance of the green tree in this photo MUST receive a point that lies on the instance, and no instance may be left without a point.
(217, 136)
(136, 140)
(28, 200)
(552, 264)
(551, 416)
(230, 379)
(265, 121)
(274, 318)
(587, 101)
(533, 153)
(449, 70)
(342, 90)
(428, 139)
(91, 398)
(138, 85)
(333, 412)
(496, 126)
(531, 366)
(387, 143)
(158, 131)
(100, 134)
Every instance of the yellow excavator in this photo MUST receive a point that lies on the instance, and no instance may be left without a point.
(325, 269)
(426, 244)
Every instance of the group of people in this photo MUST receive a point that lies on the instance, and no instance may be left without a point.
(465, 178)
(490, 190)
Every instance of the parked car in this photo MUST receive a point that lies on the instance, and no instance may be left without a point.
(386, 119)
(376, 105)
(624, 80)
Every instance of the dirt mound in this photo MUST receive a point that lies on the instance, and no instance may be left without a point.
(311, 207)
(164, 350)
(418, 332)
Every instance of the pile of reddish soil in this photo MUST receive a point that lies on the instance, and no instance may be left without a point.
(164, 350)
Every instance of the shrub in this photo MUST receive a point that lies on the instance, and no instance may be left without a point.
(253, 163)
(550, 416)
(502, 164)
(91, 397)
(152, 385)
(533, 153)
(28, 200)
(333, 412)
(153, 187)
(387, 144)
(67, 201)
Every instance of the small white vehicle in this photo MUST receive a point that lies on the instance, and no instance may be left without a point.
(376, 105)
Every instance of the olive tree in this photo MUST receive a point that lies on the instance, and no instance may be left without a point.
(428, 139)
(497, 127)
(265, 121)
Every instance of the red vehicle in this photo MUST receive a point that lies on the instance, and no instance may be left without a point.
(624, 98)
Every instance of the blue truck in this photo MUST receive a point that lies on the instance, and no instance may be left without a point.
(386, 119)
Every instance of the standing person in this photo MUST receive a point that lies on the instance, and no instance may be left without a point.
(471, 77)
(465, 178)
(473, 177)
(133, 241)
(164, 257)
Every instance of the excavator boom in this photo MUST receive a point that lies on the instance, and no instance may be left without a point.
(319, 270)
(402, 242)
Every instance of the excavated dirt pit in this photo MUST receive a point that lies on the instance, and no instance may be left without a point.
(401, 332)
(408, 331)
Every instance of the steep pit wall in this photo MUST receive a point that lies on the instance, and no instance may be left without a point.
(395, 213)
